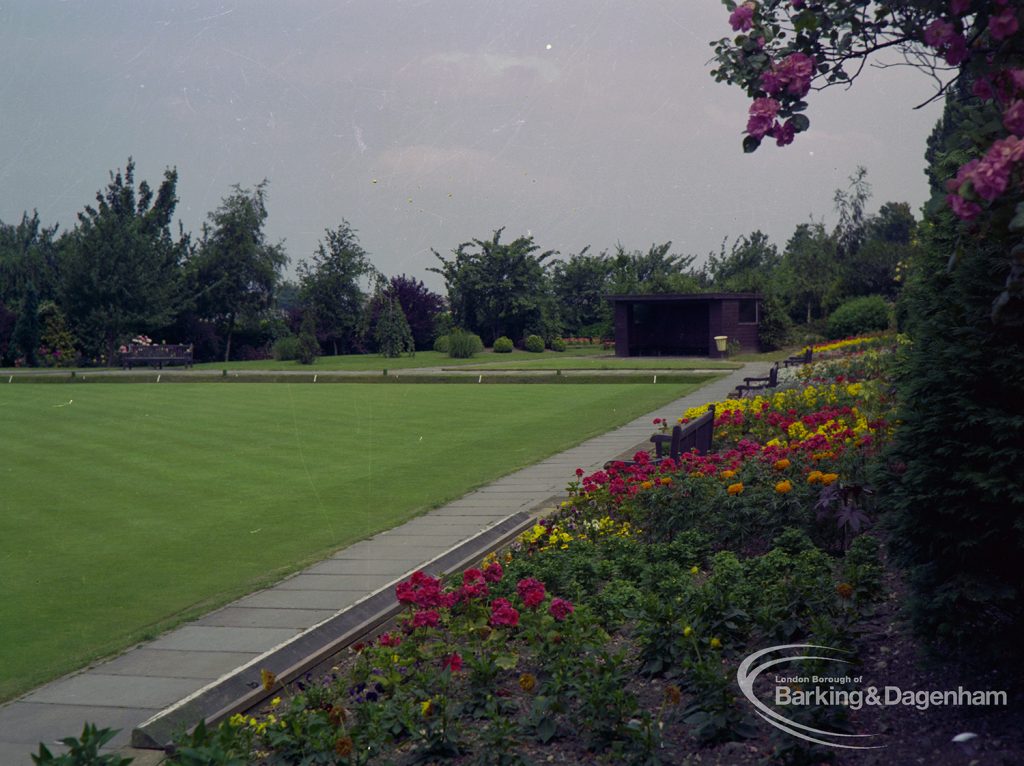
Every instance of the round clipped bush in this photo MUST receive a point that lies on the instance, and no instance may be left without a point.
(286, 349)
(534, 344)
(557, 344)
(503, 345)
(441, 344)
(463, 345)
(860, 315)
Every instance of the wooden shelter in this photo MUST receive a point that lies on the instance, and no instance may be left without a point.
(684, 324)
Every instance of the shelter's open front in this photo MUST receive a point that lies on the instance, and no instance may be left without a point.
(684, 324)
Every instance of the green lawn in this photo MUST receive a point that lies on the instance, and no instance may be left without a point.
(560, 362)
(358, 362)
(125, 509)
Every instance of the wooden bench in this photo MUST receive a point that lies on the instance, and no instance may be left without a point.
(159, 355)
(688, 437)
(771, 380)
(804, 358)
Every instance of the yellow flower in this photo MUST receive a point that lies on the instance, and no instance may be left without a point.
(735, 489)
(275, 702)
(426, 708)
(268, 679)
(694, 570)
(527, 682)
(781, 465)
(715, 643)
(728, 474)
(814, 477)
(783, 487)
(828, 478)
(236, 720)
(687, 631)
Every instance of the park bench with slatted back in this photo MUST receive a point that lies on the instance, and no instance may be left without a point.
(804, 358)
(771, 380)
(687, 437)
(159, 355)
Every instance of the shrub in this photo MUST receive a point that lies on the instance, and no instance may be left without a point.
(442, 344)
(534, 344)
(286, 349)
(463, 345)
(557, 344)
(860, 315)
(308, 345)
(775, 324)
(503, 345)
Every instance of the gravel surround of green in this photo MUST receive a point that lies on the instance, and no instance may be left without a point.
(128, 509)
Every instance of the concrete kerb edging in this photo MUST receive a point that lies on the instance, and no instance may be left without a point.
(242, 690)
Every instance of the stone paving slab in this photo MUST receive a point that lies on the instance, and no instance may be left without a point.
(136, 686)
(198, 638)
(176, 663)
(100, 690)
(321, 581)
(257, 617)
(29, 723)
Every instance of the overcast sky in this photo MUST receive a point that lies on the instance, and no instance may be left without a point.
(426, 123)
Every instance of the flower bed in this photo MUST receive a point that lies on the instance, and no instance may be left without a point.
(613, 628)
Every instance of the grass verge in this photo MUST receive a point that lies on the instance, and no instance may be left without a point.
(127, 509)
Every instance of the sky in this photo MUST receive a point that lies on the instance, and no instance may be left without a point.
(427, 123)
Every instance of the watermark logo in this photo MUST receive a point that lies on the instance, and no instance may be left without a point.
(840, 690)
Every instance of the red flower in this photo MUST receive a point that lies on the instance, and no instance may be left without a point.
(386, 639)
(493, 572)
(453, 662)
(560, 608)
(503, 614)
(427, 618)
(531, 591)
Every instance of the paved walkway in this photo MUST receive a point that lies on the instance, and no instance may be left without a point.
(139, 684)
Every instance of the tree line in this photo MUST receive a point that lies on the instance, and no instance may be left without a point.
(124, 271)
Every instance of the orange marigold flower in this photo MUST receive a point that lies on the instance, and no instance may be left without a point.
(783, 487)
(781, 465)
(845, 590)
(814, 477)
(672, 694)
(666, 480)
(646, 484)
(828, 478)
(268, 679)
(527, 682)
(735, 489)
(728, 474)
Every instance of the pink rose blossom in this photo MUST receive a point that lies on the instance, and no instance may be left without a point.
(962, 208)
(956, 50)
(783, 134)
(982, 88)
(1004, 24)
(797, 4)
(959, 7)
(742, 19)
(771, 83)
(938, 33)
(1013, 117)
(762, 116)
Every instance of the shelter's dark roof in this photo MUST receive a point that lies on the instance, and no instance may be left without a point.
(671, 297)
